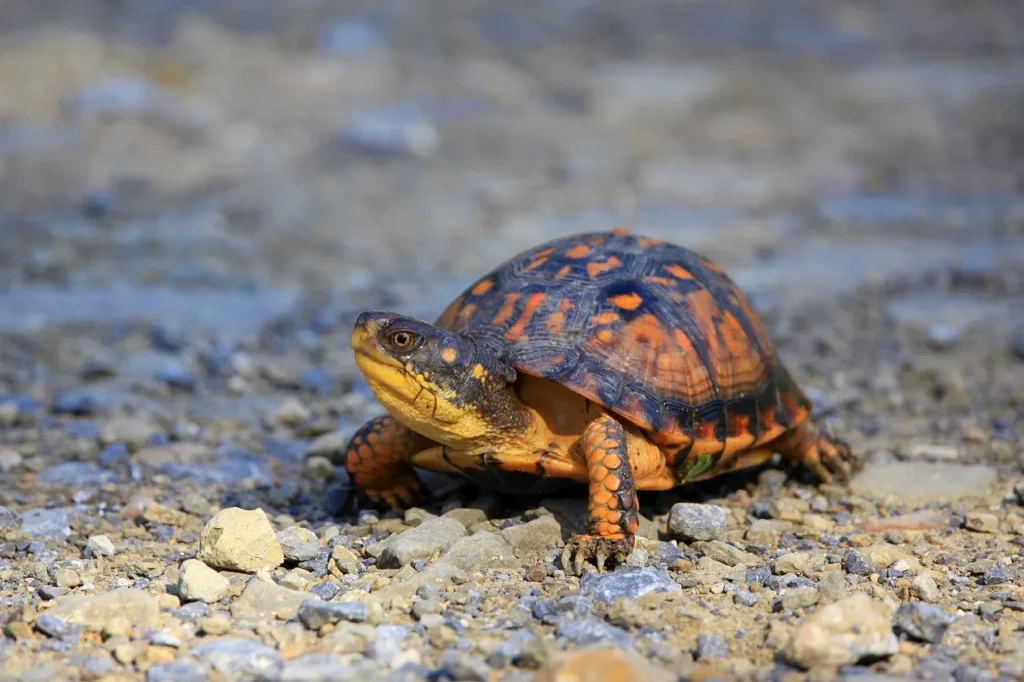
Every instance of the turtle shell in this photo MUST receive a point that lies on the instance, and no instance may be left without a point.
(652, 331)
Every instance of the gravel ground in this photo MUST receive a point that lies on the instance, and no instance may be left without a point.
(198, 199)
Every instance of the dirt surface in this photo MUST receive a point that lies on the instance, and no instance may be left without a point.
(199, 197)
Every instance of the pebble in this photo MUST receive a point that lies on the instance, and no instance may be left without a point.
(298, 544)
(603, 664)
(316, 668)
(329, 446)
(856, 563)
(199, 582)
(93, 612)
(922, 622)
(1017, 344)
(177, 671)
(291, 412)
(51, 626)
(592, 630)
(943, 336)
(76, 475)
(982, 522)
(134, 431)
(846, 632)
(392, 133)
(101, 545)
(426, 540)
(628, 583)
(697, 521)
(237, 656)
(800, 598)
(711, 646)
(315, 614)
(240, 540)
(9, 519)
(745, 598)
(460, 665)
(481, 550)
(924, 588)
(832, 586)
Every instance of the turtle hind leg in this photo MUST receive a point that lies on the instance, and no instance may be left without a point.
(378, 457)
(829, 458)
(612, 511)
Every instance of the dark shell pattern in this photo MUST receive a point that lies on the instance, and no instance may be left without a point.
(650, 330)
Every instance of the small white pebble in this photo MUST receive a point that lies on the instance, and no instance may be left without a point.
(101, 545)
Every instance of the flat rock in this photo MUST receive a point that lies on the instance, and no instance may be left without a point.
(426, 540)
(845, 632)
(314, 613)
(94, 611)
(317, 668)
(48, 523)
(481, 550)
(628, 583)
(240, 540)
(925, 481)
(269, 599)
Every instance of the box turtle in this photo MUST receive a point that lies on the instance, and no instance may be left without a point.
(607, 358)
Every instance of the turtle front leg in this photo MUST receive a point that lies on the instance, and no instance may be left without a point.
(827, 457)
(613, 510)
(378, 457)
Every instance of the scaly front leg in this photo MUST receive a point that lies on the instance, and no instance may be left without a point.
(378, 458)
(613, 511)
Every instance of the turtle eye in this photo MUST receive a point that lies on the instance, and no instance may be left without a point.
(402, 340)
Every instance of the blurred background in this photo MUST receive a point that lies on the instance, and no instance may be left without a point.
(259, 171)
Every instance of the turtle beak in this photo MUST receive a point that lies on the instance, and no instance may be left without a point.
(365, 331)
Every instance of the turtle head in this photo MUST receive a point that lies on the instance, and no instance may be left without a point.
(438, 383)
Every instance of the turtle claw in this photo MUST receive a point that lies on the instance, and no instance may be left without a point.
(580, 548)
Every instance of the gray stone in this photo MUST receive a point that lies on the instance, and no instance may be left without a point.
(628, 583)
(76, 474)
(745, 598)
(856, 563)
(426, 540)
(698, 521)
(832, 586)
(51, 626)
(922, 622)
(590, 631)
(298, 544)
(315, 614)
(177, 671)
(316, 668)
(481, 550)
(711, 646)
(48, 523)
(440, 574)
(925, 588)
(9, 520)
(238, 656)
(392, 133)
(460, 665)
(1017, 344)
(134, 431)
(925, 481)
